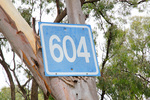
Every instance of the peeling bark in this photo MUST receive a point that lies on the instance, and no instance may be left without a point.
(17, 22)
(20, 45)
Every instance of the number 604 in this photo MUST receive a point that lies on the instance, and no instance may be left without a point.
(63, 49)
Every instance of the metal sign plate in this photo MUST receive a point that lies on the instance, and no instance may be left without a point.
(68, 50)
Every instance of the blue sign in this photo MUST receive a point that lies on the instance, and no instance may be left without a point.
(68, 50)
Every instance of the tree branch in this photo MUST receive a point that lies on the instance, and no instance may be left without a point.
(90, 1)
(107, 52)
(58, 7)
(108, 47)
(106, 19)
(1, 54)
(101, 13)
(14, 61)
(2, 38)
(106, 59)
(33, 24)
(27, 82)
(5, 66)
(139, 75)
(40, 10)
(103, 93)
(142, 77)
(61, 16)
(127, 1)
(19, 85)
(141, 1)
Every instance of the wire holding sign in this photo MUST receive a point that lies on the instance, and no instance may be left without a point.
(68, 50)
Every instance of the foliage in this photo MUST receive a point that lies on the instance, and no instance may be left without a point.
(5, 94)
(128, 71)
(125, 64)
(28, 8)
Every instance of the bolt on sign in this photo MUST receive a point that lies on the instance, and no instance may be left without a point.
(68, 50)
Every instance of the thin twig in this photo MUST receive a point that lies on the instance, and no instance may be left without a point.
(127, 1)
(90, 1)
(27, 81)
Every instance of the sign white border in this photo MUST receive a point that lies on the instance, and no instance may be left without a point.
(67, 73)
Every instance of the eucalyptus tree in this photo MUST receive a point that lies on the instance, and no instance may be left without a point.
(25, 42)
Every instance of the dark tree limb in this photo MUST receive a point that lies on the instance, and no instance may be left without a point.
(103, 93)
(1, 54)
(101, 14)
(27, 82)
(109, 38)
(142, 1)
(34, 90)
(127, 1)
(139, 75)
(58, 7)
(105, 60)
(106, 19)
(2, 38)
(108, 46)
(61, 16)
(107, 52)
(90, 1)
(33, 24)
(5, 66)
(19, 85)
(41, 12)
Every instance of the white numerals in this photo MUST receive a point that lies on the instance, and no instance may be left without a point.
(55, 46)
(63, 51)
(85, 53)
(73, 48)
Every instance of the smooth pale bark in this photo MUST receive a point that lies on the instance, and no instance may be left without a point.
(75, 16)
(74, 12)
(23, 42)
(20, 43)
(19, 21)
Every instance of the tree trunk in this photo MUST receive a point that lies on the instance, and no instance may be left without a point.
(34, 90)
(24, 42)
